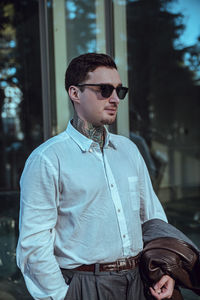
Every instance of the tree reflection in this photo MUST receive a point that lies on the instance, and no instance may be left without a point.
(164, 86)
(81, 27)
(21, 116)
(21, 127)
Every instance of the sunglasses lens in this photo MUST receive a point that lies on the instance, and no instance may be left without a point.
(106, 90)
(121, 91)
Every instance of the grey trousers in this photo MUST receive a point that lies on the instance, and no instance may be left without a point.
(124, 285)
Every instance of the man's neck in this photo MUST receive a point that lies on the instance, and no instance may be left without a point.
(95, 133)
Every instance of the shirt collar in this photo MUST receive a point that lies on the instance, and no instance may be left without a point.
(85, 143)
(108, 140)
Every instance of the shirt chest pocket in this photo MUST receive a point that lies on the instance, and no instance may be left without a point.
(133, 184)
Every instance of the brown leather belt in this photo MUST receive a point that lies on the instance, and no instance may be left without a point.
(118, 265)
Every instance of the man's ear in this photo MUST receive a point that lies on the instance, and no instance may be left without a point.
(74, 93)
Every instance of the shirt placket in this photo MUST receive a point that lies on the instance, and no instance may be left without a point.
(118, 207)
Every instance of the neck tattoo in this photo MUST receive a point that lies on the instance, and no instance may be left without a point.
(95, 133)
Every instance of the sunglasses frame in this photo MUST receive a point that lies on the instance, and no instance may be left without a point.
(118, 88)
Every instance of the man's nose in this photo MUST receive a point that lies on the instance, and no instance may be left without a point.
(114, 97)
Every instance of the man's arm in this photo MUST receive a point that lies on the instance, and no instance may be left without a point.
(152, 209)
(150, 206)
(38, 216)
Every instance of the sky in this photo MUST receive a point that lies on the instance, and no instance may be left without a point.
(191, 11)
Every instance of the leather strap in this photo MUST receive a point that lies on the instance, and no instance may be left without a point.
(118, 265)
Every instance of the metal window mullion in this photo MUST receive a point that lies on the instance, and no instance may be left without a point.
(109, 25)
(121, 58)
(109, 36)
(45, 68)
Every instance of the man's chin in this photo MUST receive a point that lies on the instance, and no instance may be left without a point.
(108, 121)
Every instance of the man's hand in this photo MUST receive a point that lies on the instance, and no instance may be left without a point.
(163, 288)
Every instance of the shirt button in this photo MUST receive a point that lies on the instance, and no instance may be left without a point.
(90, 150)
(118, 210)
(124, 236)
(111, 185)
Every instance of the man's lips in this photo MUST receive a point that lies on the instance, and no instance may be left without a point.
(112, 109)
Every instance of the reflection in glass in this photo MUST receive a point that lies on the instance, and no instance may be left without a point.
(164, 84)
(20, 125)
(164, 93)
(81, 27)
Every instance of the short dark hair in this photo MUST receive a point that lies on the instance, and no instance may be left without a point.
(77, 71)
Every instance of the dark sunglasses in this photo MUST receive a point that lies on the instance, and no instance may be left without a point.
(107, 89)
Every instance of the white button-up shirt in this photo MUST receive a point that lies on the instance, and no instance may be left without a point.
(80, 205)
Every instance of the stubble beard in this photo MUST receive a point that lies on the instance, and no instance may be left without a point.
(108, 121)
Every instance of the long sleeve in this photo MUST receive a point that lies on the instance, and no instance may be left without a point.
(151, 207)
(38, 216)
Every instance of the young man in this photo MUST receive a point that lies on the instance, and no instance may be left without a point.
(84, 195)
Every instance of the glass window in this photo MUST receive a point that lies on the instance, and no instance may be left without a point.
(76, 27)
(164, 81)
(84, 29)
(21, 126)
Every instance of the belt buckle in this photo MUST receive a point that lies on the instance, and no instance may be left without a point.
(122, 262)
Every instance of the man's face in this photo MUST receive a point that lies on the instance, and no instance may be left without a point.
(94, 108)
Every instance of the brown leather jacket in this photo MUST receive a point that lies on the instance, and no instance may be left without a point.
(169, 251)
